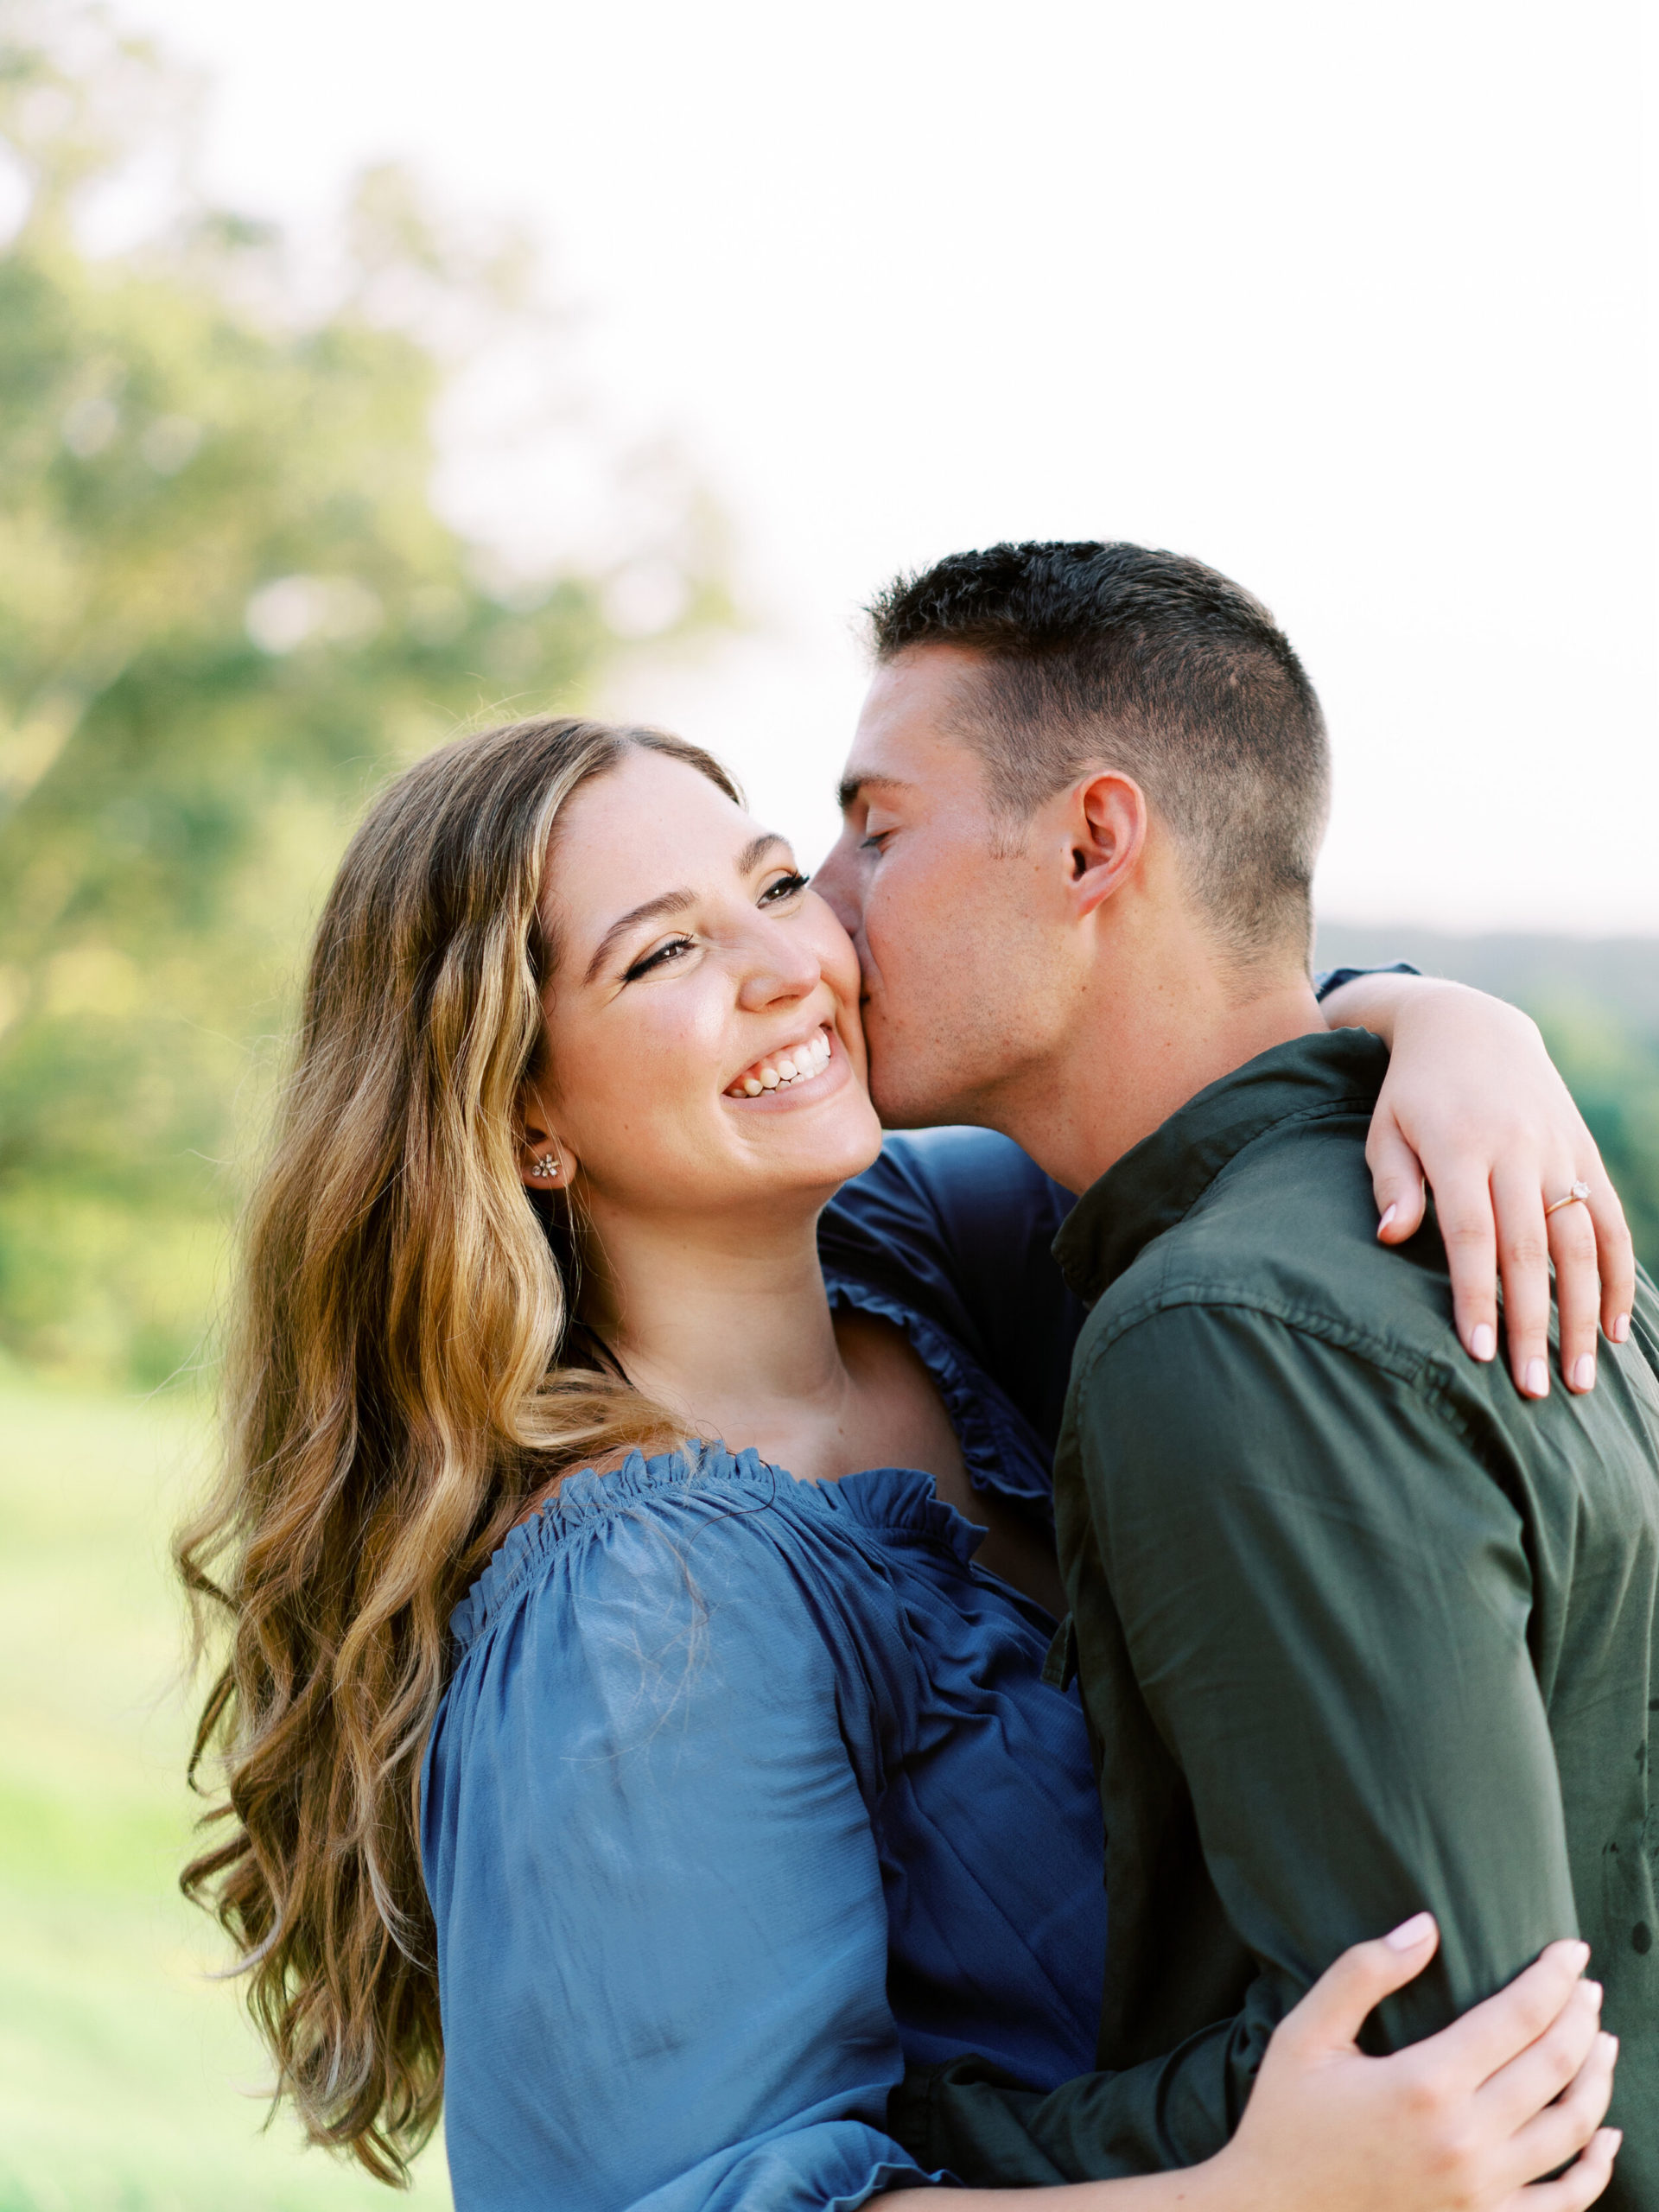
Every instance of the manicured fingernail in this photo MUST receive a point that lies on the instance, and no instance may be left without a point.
(1579, 1955)
(1584, 1373)
(1621, 1329)
(1483, 1342)
(1537, 1382)
(1410, 1933)
(1386, 1219)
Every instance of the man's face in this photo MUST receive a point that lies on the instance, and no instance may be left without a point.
(958, 922)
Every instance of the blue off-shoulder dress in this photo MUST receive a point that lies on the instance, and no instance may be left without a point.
(746, 1791)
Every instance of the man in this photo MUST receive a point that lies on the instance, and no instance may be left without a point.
(1359, 1629)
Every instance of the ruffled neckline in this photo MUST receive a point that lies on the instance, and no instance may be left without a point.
(999, 1450)
(877, 1498)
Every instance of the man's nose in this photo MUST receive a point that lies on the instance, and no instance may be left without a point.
(836, 882)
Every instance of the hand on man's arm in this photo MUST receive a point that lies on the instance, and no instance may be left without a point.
(1474, 1107)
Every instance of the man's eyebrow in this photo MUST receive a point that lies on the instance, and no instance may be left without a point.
(850, 786)
(674, 902)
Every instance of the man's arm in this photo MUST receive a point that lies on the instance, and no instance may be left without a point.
(1298, 1595)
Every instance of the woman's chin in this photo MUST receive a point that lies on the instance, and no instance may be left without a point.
(808, 1143)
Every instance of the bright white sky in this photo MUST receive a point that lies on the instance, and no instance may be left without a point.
(1358, 304)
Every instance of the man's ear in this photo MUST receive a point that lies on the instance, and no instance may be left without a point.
(544, 1163)
(1109, 834)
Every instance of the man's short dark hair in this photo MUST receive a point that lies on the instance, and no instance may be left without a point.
(1118, 657)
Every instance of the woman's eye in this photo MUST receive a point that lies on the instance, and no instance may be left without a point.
(786, 887)
(662, 954)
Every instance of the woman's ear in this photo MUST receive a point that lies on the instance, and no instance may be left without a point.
(544, 1164)
(1109, 834)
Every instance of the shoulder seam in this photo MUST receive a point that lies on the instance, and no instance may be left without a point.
(1422, 1371)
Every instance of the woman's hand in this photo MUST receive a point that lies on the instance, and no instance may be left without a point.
(1463, 2122)
(1473, 1105)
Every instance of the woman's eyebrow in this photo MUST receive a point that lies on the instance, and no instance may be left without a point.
(756, 850)
(669, 902)
(674, 902)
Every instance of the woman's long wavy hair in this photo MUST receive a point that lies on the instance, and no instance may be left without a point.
(396, 1397)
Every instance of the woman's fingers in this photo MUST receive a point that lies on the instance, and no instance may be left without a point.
(1562, 2130)
(1580, 2186)
(1467, 1217)
(1517, 2092)
(1616, 1252)
(1396, 1177)
(1491, 2034)
(1331, 2014)
(1571, 1236)
(1472, 1105)
(1523, 1264)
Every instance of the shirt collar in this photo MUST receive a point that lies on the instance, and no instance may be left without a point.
(1158, 1182)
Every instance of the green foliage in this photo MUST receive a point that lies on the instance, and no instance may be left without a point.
(1612, 1067)
(227, 609)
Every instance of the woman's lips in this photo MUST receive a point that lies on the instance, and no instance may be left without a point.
(798, 1063)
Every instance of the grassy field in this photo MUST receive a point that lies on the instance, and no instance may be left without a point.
(124, 2072)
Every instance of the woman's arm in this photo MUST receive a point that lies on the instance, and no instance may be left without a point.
(1463, 2122)
(1473, 1107)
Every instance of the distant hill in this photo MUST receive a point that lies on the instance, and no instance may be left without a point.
(1597, 1002)
(1620, 972)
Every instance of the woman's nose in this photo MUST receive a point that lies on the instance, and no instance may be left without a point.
(780, 969)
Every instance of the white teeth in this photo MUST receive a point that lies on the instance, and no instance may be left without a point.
(798, 1064)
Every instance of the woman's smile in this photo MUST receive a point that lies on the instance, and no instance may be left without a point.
(811, 1068)
(794, 1064)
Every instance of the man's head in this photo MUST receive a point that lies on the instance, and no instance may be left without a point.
(1065, 747)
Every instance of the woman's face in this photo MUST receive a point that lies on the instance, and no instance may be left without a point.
(704, 1051)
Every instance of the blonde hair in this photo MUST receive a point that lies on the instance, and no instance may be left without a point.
(395, 1402)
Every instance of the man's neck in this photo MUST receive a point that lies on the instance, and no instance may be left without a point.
(1151, 1035)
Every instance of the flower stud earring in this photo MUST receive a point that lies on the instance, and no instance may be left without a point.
(548, 1166)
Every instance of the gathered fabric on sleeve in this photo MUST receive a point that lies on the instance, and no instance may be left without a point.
(646, 1831)
(948, 1233)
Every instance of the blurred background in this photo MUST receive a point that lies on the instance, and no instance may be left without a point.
(366, 372)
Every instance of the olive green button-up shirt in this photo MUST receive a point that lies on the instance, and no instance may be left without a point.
(1359, 1632)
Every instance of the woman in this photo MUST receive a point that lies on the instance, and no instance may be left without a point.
(731, 1779)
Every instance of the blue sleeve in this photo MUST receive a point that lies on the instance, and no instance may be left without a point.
(663, 1944)
(1331, 979)
(959, 1224)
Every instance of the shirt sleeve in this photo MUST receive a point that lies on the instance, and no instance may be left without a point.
(1332, 979)
(959, 1224)
(662, 1940)
(1300, 1595)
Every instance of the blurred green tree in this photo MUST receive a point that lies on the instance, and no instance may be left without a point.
(1611, 1065)
(227, 609)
